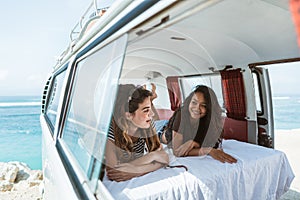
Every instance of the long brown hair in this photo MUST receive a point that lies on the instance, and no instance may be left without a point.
(128, 100)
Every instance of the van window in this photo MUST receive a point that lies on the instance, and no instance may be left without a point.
(53, 101)
(90, 108)
(213, 81)
(257, 94)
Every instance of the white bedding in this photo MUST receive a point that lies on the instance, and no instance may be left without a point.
(260, 173)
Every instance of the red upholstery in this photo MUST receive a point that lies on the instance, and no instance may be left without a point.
(235, 129)
(164, 113)
(234, 94)
(174, 92)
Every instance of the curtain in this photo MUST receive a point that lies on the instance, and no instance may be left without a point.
(174, 92)
(234, 93)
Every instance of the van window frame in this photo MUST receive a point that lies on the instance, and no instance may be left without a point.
(57, 95)
(72, 166)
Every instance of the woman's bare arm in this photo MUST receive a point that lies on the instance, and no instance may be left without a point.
(159, 156)
(217, 154)
(135, 168)
(127, 171)
(185, 148)
(110, 154)
(221, 156)
(192, 148)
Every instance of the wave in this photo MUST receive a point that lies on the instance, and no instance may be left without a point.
(292, 130)
(17, 104)
(281, 98)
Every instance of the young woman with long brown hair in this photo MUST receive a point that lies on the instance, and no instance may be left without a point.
(133, 148)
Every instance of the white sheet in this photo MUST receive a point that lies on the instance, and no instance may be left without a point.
(260, 173)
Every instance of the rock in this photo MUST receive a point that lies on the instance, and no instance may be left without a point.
(6, 186)
(36, 175)
(8, 172)
(24, 171)
(34, 183)
(22, 175)
(18, 177)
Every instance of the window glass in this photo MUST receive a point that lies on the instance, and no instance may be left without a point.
(257, 94)
(212, 81)
(54, 96)
(90, 107)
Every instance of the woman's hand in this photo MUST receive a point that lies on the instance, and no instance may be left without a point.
(221, 156)
(123, 172)
(153, 90)
(185, 148)
(126, 171)
(160, 156)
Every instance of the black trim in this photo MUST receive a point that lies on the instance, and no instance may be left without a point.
(80, 192)
(289, 60)
(50, 92)
(117, 26)
(91, 167)
(50, 85)
(45, 95)
(66, 98)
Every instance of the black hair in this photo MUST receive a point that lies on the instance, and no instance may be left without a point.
(209, 127)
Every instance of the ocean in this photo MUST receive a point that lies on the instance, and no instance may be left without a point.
(21, 135)
(20, 130)
(286, 112)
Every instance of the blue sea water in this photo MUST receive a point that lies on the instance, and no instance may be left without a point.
(20, 131)
(286, 112)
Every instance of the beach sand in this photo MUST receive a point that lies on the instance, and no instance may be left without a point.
(26, 193)
(288, 141)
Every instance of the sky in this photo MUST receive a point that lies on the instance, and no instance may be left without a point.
(34, 33)
(285, 79)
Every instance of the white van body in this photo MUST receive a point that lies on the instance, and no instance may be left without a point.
(152, 41)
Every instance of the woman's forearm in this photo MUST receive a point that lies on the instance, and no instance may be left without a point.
(146, 159)
(199, 151)
(144, 169)
(159, 156)
(128, 171)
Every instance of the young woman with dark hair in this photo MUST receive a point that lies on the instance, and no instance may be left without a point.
(195, 129)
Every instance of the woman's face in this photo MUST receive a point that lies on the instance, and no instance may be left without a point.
(197, 107)
(143, 115)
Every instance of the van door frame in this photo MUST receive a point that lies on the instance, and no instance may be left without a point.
(265, 118)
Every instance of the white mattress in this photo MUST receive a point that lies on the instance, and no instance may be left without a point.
(260, 173)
